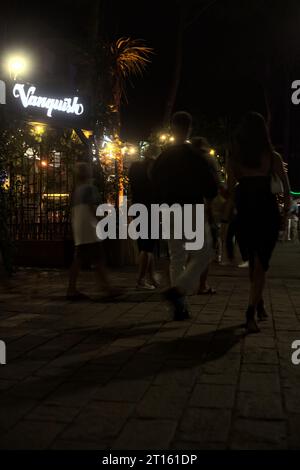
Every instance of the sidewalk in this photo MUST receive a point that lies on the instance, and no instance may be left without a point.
(121, 375)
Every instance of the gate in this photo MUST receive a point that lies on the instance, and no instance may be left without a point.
(39, 192)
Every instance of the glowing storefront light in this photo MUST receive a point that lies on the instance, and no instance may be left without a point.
(55, 195)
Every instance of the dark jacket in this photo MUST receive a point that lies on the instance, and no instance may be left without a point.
(181, 175)
(140, 182)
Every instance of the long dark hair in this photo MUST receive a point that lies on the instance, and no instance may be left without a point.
(252, 141)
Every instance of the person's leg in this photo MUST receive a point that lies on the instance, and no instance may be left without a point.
(177, 259)
(177, 264)
(185, 275)
(229, 242)
(251, 310)
(187, 282)
(259, 277)
(204, 287)
(251, 276)
(144, 263)
(223, 236)
(198, 262)
(143, 266)
(151, 270)
(96, 256)
(153, 276)
(257, 280)
(219, 248)
(258, 289)
(102, 277)
(73, 276)
(203, 281)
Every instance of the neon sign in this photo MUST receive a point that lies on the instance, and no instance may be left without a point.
(63, 105)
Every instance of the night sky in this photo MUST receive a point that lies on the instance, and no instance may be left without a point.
(237, 53)
(225, 56)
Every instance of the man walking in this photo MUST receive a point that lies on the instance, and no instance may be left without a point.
(181, 177)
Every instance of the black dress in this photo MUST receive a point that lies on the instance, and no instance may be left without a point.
(258, 219)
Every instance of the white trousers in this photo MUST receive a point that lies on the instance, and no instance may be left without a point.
(186, 266)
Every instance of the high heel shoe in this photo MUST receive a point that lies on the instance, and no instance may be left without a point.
(251, 325)
(261, 312)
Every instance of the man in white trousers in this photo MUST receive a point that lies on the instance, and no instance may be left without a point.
(180, 176)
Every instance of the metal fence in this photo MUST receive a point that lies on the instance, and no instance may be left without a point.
(39, 192)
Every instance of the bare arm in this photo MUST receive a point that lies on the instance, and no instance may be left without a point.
(280, 170)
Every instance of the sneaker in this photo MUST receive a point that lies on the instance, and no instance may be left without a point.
(244, 265)
(144, 285)
(156, 280)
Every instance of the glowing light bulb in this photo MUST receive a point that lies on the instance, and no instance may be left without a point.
(16, 65)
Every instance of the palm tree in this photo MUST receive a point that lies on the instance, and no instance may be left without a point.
(128, 59)
(118, 63)
(111, 65)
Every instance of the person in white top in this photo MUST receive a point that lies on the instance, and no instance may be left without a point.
(88, 247)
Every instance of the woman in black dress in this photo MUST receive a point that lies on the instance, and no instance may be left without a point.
(256, 165)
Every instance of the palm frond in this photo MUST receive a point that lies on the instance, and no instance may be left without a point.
(131, 56)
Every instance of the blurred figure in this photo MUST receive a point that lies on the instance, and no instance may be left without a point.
(181, 177)
(142, 193)
(228, 227)
(200, 144)
(217, 208)
(88, 247)
(293, 223)
(230, 238)
(255, 166)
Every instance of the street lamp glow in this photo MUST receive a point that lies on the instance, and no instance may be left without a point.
(212, 152)
(163, 137)
(17, 65)
(132, 150)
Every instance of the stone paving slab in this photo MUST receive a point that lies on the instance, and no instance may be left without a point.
(122, 375)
